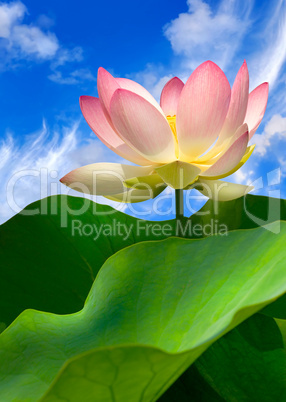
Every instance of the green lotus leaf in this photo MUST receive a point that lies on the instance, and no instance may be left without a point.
(191, 386)
(243, 213)
(61, 249)
(247, 364)
(2, 326)
(276, 309)
(282, 326)
(153, 309)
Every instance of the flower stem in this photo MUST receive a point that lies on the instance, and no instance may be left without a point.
(179, 204)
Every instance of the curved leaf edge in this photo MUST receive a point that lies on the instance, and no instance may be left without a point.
(235, 321)
(235, 318)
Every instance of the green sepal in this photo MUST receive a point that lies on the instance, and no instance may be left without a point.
(178, 174)
(144, 182)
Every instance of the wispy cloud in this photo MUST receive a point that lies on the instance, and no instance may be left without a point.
(21, 166)
(22, 43)
(41, 161)
(268, 59)
(74, 77)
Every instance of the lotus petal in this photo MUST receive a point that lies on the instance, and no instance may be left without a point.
(257, 102)
(142, 126)
(202, 109)
(170, 96)
(230, 158)
(106, 86)
(133, 86)
(238, 104)
(103, 178)
(94, 115)
(219, 190)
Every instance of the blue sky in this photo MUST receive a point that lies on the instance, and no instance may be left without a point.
(51, 50)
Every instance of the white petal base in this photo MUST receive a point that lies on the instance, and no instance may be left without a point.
(219, 190)
(103, 178)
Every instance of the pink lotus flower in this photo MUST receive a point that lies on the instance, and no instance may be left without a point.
(197, 135)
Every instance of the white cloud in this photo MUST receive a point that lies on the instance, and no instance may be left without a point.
(202, 31)
(274, 130)
(270, 145)
(21, 42)
(242, 176)
(33, 41)
(10, 15)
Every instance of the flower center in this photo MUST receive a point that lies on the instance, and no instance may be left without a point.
(172, 123)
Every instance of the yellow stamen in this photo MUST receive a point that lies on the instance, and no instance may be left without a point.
(172, 124)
